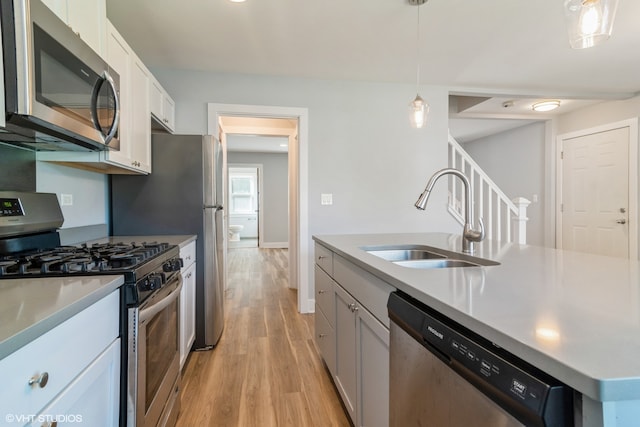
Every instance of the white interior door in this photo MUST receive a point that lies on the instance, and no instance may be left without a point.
(595, 193)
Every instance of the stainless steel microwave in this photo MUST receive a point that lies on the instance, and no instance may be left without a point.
(59, 93)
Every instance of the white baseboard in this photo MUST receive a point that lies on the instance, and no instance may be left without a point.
(275, 245)
(311, 307)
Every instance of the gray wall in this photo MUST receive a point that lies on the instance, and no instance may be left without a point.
(275, 192)
(515, 161)
(17, 169)
(360, 148)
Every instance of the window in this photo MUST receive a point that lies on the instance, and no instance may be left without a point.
(243, 193)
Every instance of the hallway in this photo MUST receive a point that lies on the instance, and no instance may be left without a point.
(266, 370)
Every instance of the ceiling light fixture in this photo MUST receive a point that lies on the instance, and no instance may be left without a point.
(237, 1)
(589, 22)
(546, 105)
(418, 109)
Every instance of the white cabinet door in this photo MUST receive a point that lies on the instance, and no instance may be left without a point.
(372, 348)
(169, 108)
(59, 7)
(88, 18)
(92, 399)
(345, 369)
(187, 312)
(118, 57)
(162, 107)
(140, 144)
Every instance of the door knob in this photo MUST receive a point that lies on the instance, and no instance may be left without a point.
(621, 221)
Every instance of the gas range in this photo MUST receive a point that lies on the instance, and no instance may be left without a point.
(30, 247)
(145, 266)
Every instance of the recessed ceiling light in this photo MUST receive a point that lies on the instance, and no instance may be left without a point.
(237, 1)
(546, 105)
(283, 145)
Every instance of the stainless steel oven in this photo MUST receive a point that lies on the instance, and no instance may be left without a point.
(154, 357)
(59, 93)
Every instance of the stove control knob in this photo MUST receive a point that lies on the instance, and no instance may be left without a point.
(144, 285)
(155, 281)
(173, 265)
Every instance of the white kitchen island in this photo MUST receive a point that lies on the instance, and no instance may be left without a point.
(575, 316)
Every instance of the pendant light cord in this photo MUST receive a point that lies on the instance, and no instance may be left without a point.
(418, 53)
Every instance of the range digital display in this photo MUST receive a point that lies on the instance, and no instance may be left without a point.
(11, 207)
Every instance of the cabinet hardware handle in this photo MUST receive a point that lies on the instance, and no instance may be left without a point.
(621, 221)
(41, 380)
(321, 291)
(353, 307)
(321, 257)
(322, 335)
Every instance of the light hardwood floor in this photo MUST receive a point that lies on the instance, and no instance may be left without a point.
(266, 370)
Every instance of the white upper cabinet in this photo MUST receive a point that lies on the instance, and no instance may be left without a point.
(163, 108)
(87, 18)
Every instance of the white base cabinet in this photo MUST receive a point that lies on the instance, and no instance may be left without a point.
(70, 372)
(355, 345)
(187, 301)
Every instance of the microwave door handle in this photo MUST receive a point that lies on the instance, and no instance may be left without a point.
(106, 77)
(148, 312)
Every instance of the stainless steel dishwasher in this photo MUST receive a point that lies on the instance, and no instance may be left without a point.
(443, 375)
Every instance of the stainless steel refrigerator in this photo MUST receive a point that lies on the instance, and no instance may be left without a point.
(183, 195)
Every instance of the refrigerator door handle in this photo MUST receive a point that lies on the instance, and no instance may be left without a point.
(218, 207)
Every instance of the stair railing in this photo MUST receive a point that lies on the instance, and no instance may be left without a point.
(505, 219)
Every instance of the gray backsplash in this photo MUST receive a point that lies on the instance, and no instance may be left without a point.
(17, 169)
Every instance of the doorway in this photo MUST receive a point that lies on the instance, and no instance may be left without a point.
(597, 190)
(245, 207)
(298, 237)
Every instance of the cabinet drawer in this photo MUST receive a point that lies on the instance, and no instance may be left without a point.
(370, 291)
(188, 254)
(324, 258)
(324, 294)
(62, 353)
(325, 338)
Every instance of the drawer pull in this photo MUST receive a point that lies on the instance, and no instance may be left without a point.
(321, 257)
(321, 291)
(353, 307)
(41, 380)
(322, 335)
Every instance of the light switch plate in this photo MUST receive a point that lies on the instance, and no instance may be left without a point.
(326, 199)
(66, 199)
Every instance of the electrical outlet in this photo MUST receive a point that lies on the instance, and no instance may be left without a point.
(326, 199)
(66, 199)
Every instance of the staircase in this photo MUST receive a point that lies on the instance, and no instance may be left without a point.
(504, 219)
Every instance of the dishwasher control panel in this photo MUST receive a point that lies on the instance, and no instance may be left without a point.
(482, 362)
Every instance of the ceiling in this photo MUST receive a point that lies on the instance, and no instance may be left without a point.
(512, 49)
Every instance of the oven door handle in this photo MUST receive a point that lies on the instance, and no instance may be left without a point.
(148, 312)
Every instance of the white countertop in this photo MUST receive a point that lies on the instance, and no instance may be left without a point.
(575, 316)
(32, 307)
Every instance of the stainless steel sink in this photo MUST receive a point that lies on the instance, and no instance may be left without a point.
(397, 255)
(426, 257)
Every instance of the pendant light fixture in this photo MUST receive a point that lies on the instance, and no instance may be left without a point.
(418, 109)
(589, 22)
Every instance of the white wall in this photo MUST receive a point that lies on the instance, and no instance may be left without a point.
(361, 147)
(514, 160)
(275, 192)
